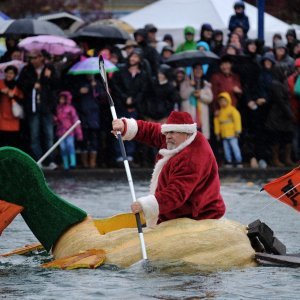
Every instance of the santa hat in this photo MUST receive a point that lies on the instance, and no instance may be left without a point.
(179, 122)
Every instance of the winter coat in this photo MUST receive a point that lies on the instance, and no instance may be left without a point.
(228, 122)
(88, 105)
(287, 62)
(264, 84)
(187, 45)
(206, 46)
(124, 86)
(66, 116)
(185, 181)
(200, 106)
(222, 83)
(161, 101)
(294, 100)
(249, 70)
(47, 94)
(239, 20)
(7, 120)
(280, 117)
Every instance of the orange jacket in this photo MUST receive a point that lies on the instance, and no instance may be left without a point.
(7, 121)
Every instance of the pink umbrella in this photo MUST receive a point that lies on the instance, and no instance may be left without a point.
(55, 45)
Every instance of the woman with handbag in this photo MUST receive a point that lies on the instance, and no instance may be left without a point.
(10, 95)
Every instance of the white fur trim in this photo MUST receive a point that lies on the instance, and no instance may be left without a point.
(132, 129)
(187, 128)
(167, 154)
(150, 209)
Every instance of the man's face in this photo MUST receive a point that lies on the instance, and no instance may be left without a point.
(152, 35)
(226, 68)
(36, 60)
(174, 139)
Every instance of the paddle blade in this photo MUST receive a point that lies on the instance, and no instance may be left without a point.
(24, 250)
(8, 211)
(117, 222)
(89, 259)
(286, 188)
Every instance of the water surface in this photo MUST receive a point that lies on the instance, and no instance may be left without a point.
(22, 277)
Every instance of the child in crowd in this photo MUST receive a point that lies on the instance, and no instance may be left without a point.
(227, 126)
(66, 116)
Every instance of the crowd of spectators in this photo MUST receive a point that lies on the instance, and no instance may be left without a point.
(246, 105)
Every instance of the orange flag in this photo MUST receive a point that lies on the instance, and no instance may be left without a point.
(286, 188)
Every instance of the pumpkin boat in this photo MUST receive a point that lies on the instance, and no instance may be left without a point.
(77, 240)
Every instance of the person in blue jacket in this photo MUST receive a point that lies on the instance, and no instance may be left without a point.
(239, 19)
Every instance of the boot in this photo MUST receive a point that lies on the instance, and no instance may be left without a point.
(275, 154)
(72, 161)
(287, 155)
(84, 159)
(93, 159)
(65, 162)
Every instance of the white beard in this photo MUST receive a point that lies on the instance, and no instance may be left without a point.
(171, 146)
(166, 155)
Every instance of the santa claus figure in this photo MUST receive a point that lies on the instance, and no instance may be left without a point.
(185, 181)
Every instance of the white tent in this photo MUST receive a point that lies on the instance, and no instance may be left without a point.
(171, 16)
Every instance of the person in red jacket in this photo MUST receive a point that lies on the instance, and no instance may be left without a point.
(185, 181)
(10, 126)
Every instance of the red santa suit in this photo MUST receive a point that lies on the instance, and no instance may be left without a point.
(185, 180)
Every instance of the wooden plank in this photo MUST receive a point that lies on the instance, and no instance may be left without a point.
(24, 250)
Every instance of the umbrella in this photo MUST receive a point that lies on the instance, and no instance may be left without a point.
(55, 45)
(28, 27)
(115, 22)
(17, 63)
(95, 34)
(91, 66)
(190, 58)
(63, 19)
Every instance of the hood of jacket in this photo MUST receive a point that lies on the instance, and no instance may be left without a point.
(67, 95)
(226, 96)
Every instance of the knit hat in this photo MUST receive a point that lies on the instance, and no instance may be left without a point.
(179, 122)
(279, 44)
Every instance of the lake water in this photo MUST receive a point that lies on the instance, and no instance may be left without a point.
(21, 277)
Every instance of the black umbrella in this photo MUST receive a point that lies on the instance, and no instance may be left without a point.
(28, 27)
(64, 20)
(95, 34)
(190, 58)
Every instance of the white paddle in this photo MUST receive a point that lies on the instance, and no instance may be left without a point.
(124, 156)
